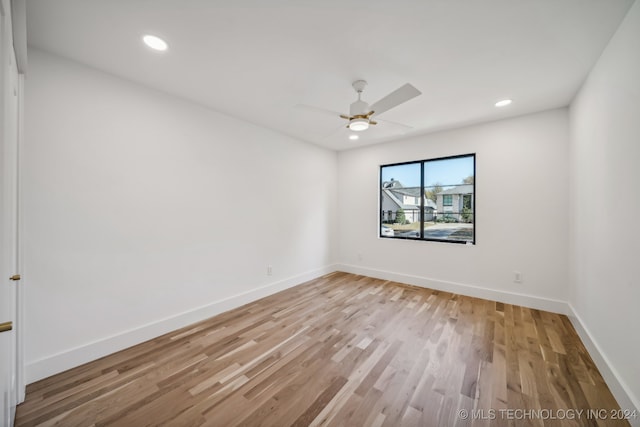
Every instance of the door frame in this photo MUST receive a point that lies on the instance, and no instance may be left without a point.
(13, 12)
(20, 292)
(18, 17)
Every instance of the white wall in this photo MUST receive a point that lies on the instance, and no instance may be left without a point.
(521, 216)
(605, 206)
(139, 206)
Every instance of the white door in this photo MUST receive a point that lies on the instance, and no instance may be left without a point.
(8, 219)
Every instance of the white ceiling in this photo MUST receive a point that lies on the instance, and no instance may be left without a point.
(258, 60)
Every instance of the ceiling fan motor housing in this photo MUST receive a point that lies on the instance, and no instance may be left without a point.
(359, 108)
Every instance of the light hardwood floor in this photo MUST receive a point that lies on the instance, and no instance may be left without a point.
(341, 350)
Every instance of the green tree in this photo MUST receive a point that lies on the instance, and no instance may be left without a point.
(433, 192)
(400, 218)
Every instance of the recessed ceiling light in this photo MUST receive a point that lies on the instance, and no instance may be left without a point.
(155, 43)
(353, 137)
(503, 103)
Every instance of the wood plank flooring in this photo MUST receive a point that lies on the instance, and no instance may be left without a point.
(341, 350)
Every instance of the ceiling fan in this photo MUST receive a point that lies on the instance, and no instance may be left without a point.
(361, 113)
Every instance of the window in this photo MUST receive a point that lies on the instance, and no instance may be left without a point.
(429, 199)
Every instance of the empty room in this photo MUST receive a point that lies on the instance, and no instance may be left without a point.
(337, 213)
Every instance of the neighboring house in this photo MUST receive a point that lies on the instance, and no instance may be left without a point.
(452, 201)
(395, 196)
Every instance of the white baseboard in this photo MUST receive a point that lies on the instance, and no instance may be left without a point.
(56, 363)
(531, 301)
(614, 380)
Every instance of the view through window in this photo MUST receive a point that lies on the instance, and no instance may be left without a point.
(429, 199)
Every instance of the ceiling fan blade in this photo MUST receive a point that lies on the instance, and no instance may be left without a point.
(318, 110)
(395, 98)
(335, 132)
(399, 126)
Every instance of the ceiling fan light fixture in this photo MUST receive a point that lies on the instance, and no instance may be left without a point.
(359, 124)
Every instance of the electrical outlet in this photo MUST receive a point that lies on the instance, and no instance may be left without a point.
(269, 270)
(517, 277)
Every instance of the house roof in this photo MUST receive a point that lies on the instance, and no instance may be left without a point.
(409, 191)
(390, 193)
(459, 189)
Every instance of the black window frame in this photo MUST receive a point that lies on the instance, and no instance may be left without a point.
(421, 236)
